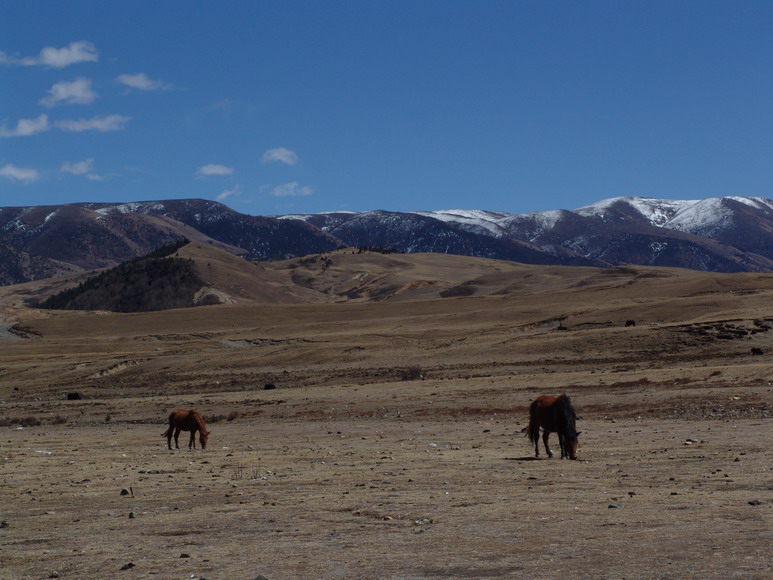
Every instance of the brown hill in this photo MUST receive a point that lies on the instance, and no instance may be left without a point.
(229, 279)
(352, 275)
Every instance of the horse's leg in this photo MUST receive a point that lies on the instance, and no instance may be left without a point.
(169, 437)
(561, 444)
(177, 437)
(192, 442)
(545, 436)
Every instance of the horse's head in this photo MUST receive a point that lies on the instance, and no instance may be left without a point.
(203, 436)
(571, 446)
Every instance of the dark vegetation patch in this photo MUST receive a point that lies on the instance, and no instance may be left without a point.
(377, 250)
(232, 415)
(718, 409)
(152, 282)
(727, 329)
(32, 421)
(412, 373)
(23, 331)
(464, 289)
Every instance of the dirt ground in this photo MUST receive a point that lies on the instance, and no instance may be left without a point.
(391, 446)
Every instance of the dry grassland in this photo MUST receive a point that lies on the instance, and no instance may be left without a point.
(391, 446)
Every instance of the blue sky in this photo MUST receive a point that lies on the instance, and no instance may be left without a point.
(308, 106)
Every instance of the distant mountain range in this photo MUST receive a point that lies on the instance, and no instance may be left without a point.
(727, 234)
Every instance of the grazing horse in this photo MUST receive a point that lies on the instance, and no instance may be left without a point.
(181, 420)
(553, 414)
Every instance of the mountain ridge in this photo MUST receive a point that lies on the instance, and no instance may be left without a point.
(726, 234)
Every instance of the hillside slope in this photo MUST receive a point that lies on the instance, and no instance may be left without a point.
(206, 275)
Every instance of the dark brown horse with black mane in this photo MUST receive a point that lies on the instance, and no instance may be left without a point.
(181, 420)
(554, 415)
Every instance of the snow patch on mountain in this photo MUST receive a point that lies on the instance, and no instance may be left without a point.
(706, 217)
(656, 211)
(755, 202)
(307, 216)
(133, 207)
(545, 220)
(472, 220)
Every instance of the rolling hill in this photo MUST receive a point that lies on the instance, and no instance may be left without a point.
(196, 274)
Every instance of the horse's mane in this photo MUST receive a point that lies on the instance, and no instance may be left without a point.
(567, 417)
(199, 421)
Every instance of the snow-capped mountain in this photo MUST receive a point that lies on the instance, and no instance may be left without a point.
(700, 217)
(745, 223)
(728, 234)
(45, 241)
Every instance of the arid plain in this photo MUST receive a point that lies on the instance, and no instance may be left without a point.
(391, 445)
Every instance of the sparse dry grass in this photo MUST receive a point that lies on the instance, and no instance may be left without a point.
(350, 468)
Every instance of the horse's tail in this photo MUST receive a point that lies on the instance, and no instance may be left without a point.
(167, 433)
(532, 431)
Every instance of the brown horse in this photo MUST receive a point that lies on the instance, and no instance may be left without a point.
(181, 420)
(554, 415)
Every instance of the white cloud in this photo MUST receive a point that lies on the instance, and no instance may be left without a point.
(80, 51)
(236, 190)
(19, 173)
(78, 168)
(77, 92)
(108, 123)
(26, 127)
(85, 167)
(213, 169)
(142, 82)
(292, 188)
(280, 154)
